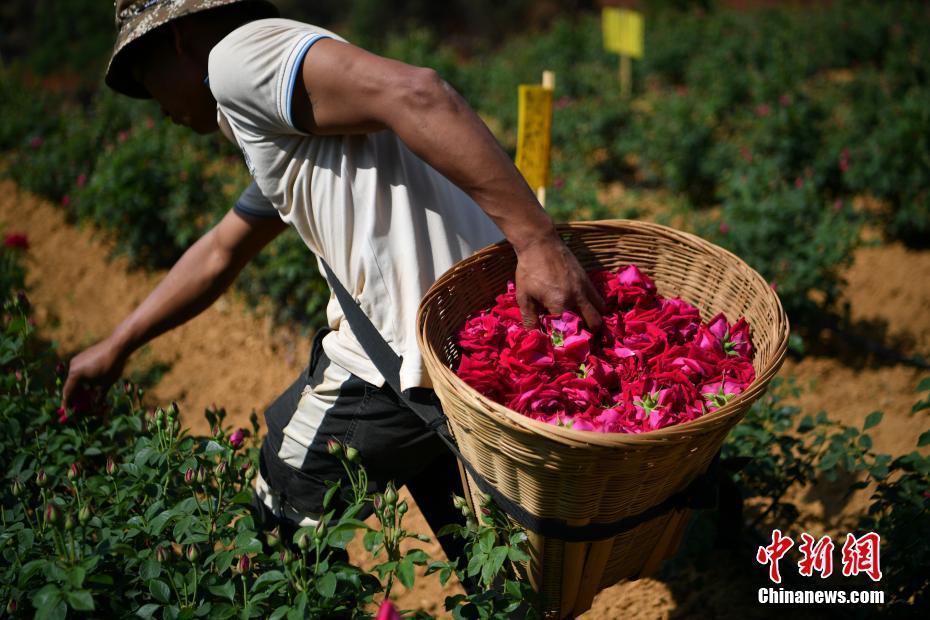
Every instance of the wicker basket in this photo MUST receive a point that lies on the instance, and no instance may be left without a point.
(584, 477)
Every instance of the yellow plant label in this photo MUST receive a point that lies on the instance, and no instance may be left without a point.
(623, 32)
(534, 134)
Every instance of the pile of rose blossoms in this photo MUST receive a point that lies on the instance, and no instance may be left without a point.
(652, 364)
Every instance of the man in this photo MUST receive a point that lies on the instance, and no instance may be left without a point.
(385, 173)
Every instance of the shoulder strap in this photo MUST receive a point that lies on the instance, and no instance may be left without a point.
(701, 493)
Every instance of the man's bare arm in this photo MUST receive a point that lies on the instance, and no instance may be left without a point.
(199, 277)
(348, 90)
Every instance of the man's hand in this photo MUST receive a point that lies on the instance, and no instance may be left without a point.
(95, 370)
(549, 277)
(201, 275)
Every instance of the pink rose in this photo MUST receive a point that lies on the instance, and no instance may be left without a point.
(235, 440)
(482, 335)
(387, 611)
(718, 393)
(18, 241)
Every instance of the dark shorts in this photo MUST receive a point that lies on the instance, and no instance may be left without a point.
(327, 402)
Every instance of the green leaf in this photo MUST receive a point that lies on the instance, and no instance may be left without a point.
(493, 565)
(47, 596)
(326, 585)
(227, 590)
(150, 569)
(269, 577)
(872, 420)
(148, 610)
(405, 573)
(924, 439)
(80, 600)
(418, 556)
(160, 591)
(242, 497)
(515, 554)
(76, 577)
(486, 540)
(924, 385)
(30, 569)
(343, 533)
(280, 612)
(328, 497)
(213, 448)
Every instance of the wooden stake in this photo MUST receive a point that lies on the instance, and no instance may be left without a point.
(548, 82)
(626, 75)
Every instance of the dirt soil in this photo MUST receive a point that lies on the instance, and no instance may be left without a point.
(235, 357)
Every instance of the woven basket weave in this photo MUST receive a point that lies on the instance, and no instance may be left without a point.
(585, 477)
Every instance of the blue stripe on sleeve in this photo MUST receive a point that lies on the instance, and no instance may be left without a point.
(297, 64)
(241, 209)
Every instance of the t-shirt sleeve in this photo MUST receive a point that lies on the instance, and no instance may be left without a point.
(252, 203)
(253, 72)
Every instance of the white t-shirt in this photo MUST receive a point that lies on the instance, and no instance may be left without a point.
(386, 222)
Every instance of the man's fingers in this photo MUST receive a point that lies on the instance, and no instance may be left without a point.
(67, 390)
(594, 297)
(590, 314)
(529, 310)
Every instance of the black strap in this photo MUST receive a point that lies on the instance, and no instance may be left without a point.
(699, 494)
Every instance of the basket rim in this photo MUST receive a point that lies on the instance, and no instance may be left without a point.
(579, 438)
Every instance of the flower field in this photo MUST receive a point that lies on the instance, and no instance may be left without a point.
(795, 137)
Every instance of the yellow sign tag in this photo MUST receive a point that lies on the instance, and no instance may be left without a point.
(534, 134)
(623, 32)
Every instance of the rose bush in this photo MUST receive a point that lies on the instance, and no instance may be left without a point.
(652, 364)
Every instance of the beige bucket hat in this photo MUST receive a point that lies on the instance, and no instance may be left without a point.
(136, 18)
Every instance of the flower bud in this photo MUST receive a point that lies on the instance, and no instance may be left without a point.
(248, 471)
(127, 388)
(201, 475)
(303, 542)
(16, 488)
(69, 521)
(486, 511)
(192, 553)
(11, 606)
(242, 566)
(352, 454)
(272, 538)
(334, 447)
(402, 507)
(459, 502)
(52, 514)
(220, 469)
(320, 530)
(41, 479)
(287, 556)
(235, 440)
(73, 471)
(378, 502)
(84, 515)
(189, 477)
(174, 427)
(390, 494)
(161, 554)
(159, 417)
(172, 413)
(486, 500)
(111, 466)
